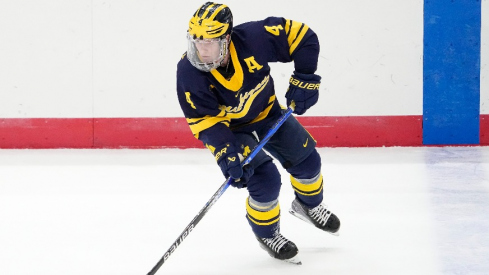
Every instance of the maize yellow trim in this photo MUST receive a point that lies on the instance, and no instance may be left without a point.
(236, 81)
(207, 28)
(198, 125)
(295, 33)
(189, 101)
(307, 189)
(265, 112)
(263, 218)
(248, 101)
(309, 194)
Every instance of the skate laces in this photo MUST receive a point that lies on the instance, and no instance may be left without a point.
(320, 214)
(275, 243)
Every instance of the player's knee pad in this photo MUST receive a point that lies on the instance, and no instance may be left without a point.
(308, 168)
(263, 217)
(265, 184)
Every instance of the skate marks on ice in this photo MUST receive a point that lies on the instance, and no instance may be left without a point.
(459, 187)
(118, 211)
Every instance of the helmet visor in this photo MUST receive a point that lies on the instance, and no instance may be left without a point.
(206, 54)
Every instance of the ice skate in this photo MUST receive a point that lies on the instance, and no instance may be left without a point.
(318, 216)
(280, 248)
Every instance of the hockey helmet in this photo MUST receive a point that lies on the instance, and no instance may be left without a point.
(207, 36)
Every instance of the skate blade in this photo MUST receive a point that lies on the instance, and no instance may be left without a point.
(294, 260)
(295, 214)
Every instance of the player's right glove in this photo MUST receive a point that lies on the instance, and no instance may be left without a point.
(229, 160)
(303, 90)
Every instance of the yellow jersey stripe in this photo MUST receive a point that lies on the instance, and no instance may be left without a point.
(297, 32)
(287, 26)
(236, 81)
(198, 125)
(265, 112)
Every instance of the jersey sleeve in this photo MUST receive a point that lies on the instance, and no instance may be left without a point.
(292, 40)
(200, 107)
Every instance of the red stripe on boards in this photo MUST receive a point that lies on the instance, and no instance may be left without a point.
(46, 133)
(484, 130)
(355, 131)
(143, 133)
(365, 131)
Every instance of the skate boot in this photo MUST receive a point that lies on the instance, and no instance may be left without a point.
(318, 216)
(280, 248)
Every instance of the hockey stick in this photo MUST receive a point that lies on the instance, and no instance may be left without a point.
(220, 191)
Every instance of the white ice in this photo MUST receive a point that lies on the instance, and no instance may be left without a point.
(411, 210)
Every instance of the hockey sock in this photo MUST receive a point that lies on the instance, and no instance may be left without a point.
(264, 218)
(309, 191)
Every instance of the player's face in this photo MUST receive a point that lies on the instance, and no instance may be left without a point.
(209, 49)
(207, 54)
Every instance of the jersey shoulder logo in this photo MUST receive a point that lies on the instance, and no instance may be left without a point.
(275, 30)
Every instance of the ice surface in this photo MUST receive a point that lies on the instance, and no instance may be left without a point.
(412, 210)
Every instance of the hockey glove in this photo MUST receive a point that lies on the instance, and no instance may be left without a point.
(303, 90)
(243, 181)
(229, 160)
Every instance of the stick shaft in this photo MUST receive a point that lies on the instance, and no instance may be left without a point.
(219, 192)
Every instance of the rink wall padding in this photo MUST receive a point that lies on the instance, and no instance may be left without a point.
(354, 131)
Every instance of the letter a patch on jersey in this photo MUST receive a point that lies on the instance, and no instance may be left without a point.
(252, 64)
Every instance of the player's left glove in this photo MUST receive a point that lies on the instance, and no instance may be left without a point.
(303, 90)
(229, 159)
(243, 181)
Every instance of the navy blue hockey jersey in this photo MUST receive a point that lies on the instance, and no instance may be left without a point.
(214, 105)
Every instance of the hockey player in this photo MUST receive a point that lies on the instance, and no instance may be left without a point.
(227, 96)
